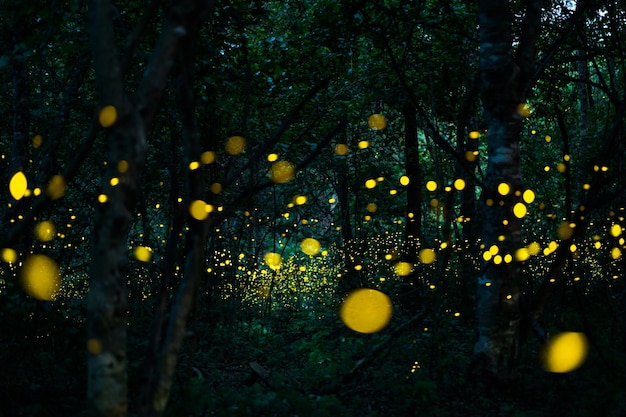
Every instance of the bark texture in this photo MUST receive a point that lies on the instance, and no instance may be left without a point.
(504, 79)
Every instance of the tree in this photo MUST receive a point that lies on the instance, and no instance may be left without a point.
(505, 80)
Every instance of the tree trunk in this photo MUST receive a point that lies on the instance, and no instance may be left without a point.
(503, 84)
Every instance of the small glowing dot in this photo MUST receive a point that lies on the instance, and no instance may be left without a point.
(193, 165)
(371, 183)
(474, 134)
(459, 184)
(404, 180)
(431, 185)
(363, 144)
(102, 198)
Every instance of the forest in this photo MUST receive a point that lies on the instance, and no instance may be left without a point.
(312, 208)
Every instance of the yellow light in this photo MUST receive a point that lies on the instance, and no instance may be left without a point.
(427, 256)
(193, 165)
(522, 254)
(8, 255)
(471, 156)
(103, 198)
(366, 310)
(56, 187)
(107, 116)
(493, 249)
(528, 196)
(616, 253)
(94, 346)
(548, 138)
(282, 171)
(45, 231)
(216, 188)
(363, 144)
(564, 231)
(431, 185)
(565, 352)
(534, 248)
(273, 157)
(504, 188)
(404, 180)
(459, 184)
(341, 149)
(198, 210)
(207, 157)
(40, 277)
(616, 230)
(300, 200)
(114, 181)
(235, 145)
(310, 246)
(371, 183)
(18, 185)
(403, 269)
(519, 210)
(142, 253)
(524, 110)
(273, 260)
(331, 201)
(371, 207)
(37, 141)
(474, 134)
(561, 167)
(377, 121)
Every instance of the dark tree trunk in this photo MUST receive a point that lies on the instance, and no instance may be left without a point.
(503, 81)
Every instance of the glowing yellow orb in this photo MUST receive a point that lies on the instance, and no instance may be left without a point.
(45, 231)
(341, 149)
(565, 352)
(371, 207)
(8, 255)
(198, 210)
(142, 253)
(107, 116)
(404, 180)
(363, 144)
(427, 256)
(207, 157)
(474, 134)
(431, 185)
(282, 171)
(310, 246)
(528, 196)
(371, 183)
(616, 230)
(519, 210)
(403, 269)
(235, 145)
(377, 121)
(18, 185)
(273, 260)
(56, 187)
(504, 188)
(366, 310)
(459, 184)
(40, 277)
